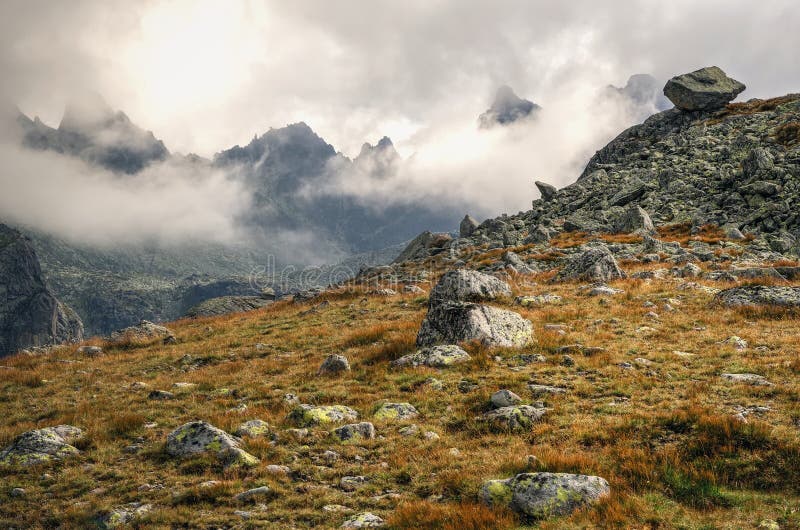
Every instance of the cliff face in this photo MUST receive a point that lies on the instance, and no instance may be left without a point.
(30, 315)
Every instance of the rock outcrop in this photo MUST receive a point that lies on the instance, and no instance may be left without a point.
(227, 304)
(705, 89)
(759, 295)
(30, 314)
(595, 264)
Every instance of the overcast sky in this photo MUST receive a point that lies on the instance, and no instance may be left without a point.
(205, 75)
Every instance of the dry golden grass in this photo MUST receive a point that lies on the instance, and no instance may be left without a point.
(663, 434)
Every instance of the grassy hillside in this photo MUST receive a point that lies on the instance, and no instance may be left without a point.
(645, 408)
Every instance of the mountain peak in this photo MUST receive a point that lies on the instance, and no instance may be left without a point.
(87, 110)
(507, 108)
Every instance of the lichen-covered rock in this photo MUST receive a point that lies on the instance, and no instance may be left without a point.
(439, 356)
(596, 264)
(253, 429)
(143, 331)
(254, 494)
(634, 219)
(705, 89)
(198, 437)
(543, 495)
(312, 416)
(396, 411)
(334, 364)
(516, 418)
(759, 295)
(464, 285)
(463, 322)
(41, 445)
(364, 520)
(538, 300)
(355, 431)
(124, 515)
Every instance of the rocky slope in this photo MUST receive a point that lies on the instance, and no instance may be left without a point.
(30, 314)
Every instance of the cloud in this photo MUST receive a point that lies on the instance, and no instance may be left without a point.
(206, 74)
(168, 203)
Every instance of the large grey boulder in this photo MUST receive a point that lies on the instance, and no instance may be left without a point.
(542, 495)
(596, 264)
(450, 323)
(198, 437)
(548, 191)
(759, 295)
(705, 89)
(439, 356)
(30, 314)
(467, 226)
(634, 219)
(41, 445)
(465, 285)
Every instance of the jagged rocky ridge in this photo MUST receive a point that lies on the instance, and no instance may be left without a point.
(736, 167)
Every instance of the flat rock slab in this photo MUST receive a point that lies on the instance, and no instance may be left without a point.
(516, 418)
(41, 445)
(312, 416)
(747, 379)
(440, 356)
(759, 295)
(542, 495)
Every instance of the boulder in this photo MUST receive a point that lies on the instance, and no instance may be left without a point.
(422, 246)
(355, 431)
(123, 516)
(705, 89)
(595, 264)
(467, 226)
(537, 234)
(515, 418)
(254, 494)
(634, 219)
(465, 285)
(547, 191)
(543, 495)
(198, 437)
(759, 295)
(312, 416)
(41, 445)
(253, 429)
(462, 322)
(334, 364)
(504, 398)
(439, 356)
(396, 411)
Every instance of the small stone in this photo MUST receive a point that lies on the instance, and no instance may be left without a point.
(409, 430)
(364, 520)
(91, 351)
(396, 411)
(160, 395)
(252, 429)
(351, 483)
(430, 436)
(748, 379)
(254, 494)
(274, 469)
(505, 398)
(334, 364)
(567, 360)
(17, 492)
(355, 432)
